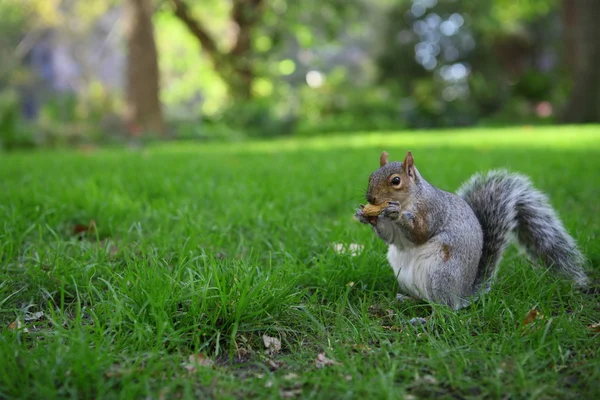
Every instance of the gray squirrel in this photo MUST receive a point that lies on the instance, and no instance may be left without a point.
(445, 248)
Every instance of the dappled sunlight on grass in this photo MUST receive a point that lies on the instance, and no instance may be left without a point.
(560, 137)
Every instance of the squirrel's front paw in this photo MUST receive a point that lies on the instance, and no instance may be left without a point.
(392, 211)
(360, 216)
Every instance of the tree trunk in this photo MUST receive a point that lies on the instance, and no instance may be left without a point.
(569, 25)
(584, 103)
(246, 14)
(143, 110)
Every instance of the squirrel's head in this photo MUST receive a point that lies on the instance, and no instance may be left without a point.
(393, 181)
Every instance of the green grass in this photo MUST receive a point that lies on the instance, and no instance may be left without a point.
(202, 249)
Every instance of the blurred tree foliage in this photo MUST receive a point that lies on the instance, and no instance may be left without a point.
(260, 51)
(230, 68)
(253, 29)
(462, 61)
(64, 116)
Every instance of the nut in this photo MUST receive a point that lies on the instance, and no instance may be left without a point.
(371, 210)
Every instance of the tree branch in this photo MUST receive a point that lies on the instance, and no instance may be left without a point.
(236, 65)
(195, 27)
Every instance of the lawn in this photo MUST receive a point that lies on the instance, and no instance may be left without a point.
(161, 273)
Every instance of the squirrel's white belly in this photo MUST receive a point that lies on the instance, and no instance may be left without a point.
(412, 265)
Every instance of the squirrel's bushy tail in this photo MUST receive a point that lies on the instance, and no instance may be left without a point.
(506, 204)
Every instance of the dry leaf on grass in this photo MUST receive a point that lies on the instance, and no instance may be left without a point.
(289, 393)
(323, 361)
(532, 321)
(17, 326)
(272, 345)
(531, 316)
(80, 228)
(197, 360)
(290, 376)
(430, 380)
(594, 327)
(113, 373)
(36, 316)
(274, 365)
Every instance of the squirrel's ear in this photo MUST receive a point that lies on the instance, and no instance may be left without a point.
(383, 159)
(409, 165)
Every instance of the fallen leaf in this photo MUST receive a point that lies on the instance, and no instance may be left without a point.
(594, 327)
(430, 380)
(17, 326)
(289, 393)
(197, 360)
(274, 365)
(201, 359)
(323, 361)
(80, 228)
(273, 345)
(290, 376)
(114, 371)
(531, 316)
(36, 316)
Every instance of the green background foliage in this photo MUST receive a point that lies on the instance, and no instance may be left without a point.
(362, 52)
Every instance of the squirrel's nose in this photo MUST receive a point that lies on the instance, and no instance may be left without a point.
(371, 199)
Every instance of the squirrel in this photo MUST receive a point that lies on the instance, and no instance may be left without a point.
(445, 248)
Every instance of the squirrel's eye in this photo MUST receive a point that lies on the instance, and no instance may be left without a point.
(396, 181)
